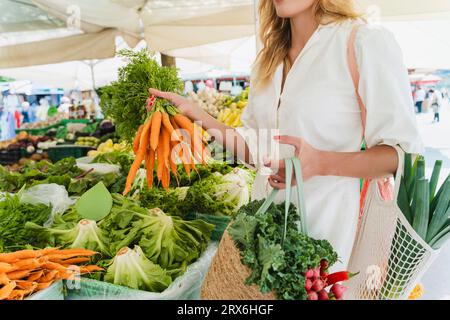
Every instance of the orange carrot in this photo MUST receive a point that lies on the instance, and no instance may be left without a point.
(6, 290)
(160, 159)
(137, 139)
(27, 264)
(156, 127)
(172, 158)
(169, 127)
(89, 269)
(4, 280)
(139, 157)
(14, 256)
(26, 285)
(6, 267)
(36, 275)
(19, 294)
(73, 261)
(77, 252)
(17, 275)
(149, 166)
(50, 275)
(44, 285)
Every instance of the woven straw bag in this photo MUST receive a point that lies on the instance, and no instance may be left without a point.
(226, 276)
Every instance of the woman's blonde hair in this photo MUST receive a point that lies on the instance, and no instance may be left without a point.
(275, 33)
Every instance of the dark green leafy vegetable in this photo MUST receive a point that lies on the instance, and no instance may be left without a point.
(13, 217)
(275, 267)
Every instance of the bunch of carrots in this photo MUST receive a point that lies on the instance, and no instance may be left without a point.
(165, 136)
(25, 272)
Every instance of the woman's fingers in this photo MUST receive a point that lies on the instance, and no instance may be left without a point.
(276, 185)
(281, 179)
(172, 97)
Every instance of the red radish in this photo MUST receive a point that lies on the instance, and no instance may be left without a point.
(338, 290)
(309, 274)
(323, 295)
(323, 274)
(324, 264)
(312, 296)
(308, 284)
(318, 285)
(316, 273)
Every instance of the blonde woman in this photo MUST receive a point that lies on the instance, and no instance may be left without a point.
(302, 86)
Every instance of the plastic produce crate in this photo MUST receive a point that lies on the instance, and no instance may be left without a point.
(9, 156)
(38, 131)
(66, 151)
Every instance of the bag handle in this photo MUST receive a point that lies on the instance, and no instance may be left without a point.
(292, 165)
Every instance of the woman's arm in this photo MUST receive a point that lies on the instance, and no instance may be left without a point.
(224, 135)
(379, 161)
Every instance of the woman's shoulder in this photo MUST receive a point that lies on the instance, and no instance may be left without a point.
(373, 32)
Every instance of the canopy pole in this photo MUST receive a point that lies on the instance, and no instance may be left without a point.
(168, 61)
(91, 65)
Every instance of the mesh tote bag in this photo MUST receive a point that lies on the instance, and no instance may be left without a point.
(388, 254)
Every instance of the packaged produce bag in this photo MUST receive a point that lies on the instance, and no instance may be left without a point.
(185, 287)
(388, 253)
(54, 292)
(226, 278)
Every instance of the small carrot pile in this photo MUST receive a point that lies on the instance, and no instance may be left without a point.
(25, 272)
(165, 137)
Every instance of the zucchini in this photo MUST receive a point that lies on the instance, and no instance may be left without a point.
(421, 216)
(403, 202)
(441, 214)
(435, 178)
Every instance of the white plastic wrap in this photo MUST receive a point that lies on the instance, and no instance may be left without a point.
(48, 194)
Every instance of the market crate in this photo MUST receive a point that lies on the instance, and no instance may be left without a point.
(9, 156)
(66, 151)
(38, 131)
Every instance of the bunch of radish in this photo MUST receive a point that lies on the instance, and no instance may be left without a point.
(323, 286)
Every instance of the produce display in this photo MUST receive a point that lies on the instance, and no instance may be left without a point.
(128, 238)
(231, 114)
(211, 100)
(25, 272)
(108, 147)
(51, 121)
(87, 142)
(225, 108)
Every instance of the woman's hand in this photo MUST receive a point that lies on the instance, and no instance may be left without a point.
(310, 159)
(186, 107)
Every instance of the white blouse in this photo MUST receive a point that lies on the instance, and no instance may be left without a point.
(319, 104)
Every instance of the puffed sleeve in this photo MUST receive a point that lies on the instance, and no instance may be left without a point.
(385, 90)
(249, 131)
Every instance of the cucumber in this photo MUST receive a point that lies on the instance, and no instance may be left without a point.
(441, 214)
(421, 217)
